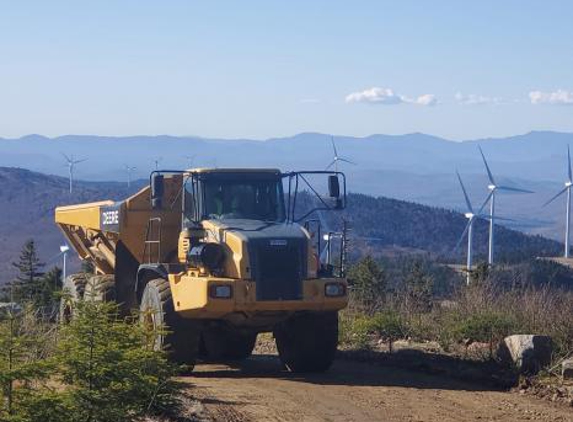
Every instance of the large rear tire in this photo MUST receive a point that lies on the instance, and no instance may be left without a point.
(72, 292)
(308, 342)
(221, 343)
(178, 336)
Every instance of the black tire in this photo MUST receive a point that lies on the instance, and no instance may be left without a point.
(100, 288)
(221, 343)
(178, 336)
(72, 292)
(308, 342)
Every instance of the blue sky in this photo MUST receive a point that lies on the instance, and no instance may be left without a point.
(259, 69)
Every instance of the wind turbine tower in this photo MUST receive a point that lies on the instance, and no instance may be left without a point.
(71, 163)
(129, 169)
(157, 161)
(493, 188)
(470, 215)
(567, 189)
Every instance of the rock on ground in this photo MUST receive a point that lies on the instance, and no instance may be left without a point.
(567, 369)
(529, 353)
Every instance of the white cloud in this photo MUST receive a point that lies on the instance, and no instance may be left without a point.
(474, 99)
(559, 97)
(387, 96)
(425, 100)
(374, 95)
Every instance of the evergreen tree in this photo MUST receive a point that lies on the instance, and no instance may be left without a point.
(23, 343)
(46, 297)
(111, 369)
(369, 282)
(27, 285)
(418, 286)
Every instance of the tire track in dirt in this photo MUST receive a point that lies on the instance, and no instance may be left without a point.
(259, 390)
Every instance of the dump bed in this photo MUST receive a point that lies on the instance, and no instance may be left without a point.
(99, 231)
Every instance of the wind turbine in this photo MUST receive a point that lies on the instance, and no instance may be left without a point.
(567, 189)
(336, 157)
(493, 188)
(129, 169)
(471, 216)
(157, 161)
(71, 163)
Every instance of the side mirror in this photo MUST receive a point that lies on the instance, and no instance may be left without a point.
(157, 189)
(333, 186)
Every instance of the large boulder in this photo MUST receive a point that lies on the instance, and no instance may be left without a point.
(528, 353)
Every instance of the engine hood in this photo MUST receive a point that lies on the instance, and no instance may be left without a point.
(244, 239)
(252, 229)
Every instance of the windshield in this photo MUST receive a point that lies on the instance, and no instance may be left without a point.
(257, 199)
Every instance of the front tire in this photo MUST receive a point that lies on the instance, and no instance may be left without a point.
(308, 342)
(178, 336)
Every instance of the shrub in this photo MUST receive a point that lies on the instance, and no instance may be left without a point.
(354, 330)
(358, 330)
(388, 326)
(110, 367)
(487, 327)
(103, 368)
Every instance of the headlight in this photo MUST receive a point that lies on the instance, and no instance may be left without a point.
(221, 291)
(334, 289)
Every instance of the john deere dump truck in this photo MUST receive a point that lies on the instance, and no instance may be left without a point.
(216, 256)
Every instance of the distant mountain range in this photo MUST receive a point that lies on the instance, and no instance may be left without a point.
(29, 198)
(414, 167)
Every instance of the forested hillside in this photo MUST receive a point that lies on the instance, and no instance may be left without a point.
(400, 223)
(28, 200)
(27, 203)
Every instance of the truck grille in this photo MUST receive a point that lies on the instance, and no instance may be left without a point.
(278, 268)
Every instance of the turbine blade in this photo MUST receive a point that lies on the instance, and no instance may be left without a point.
(466, 197)
(334, 146)
(512, 189)
(66, 157)
(470, 222)
(570, 172)
(489, 175)
(561, 192)
(347, 161)
(501, 218)
(80, 161)
(330, 165)
(485, 203)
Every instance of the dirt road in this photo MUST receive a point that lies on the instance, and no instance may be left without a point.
(258, 390)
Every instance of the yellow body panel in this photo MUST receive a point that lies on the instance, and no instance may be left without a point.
(84, 215)
(191, 297)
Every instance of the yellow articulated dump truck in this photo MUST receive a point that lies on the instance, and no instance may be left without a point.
(217, 256)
